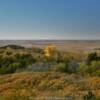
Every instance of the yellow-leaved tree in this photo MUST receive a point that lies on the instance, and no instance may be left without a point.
(51, 52)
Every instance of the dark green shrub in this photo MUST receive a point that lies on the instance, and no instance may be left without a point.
(91, 57)
(7, 70)
(89, 96)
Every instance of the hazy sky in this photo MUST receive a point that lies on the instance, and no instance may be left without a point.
(50, 19)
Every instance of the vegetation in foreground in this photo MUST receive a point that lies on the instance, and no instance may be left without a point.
(46, 85)
(48, 74)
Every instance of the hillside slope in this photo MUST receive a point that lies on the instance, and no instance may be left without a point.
(46, 85)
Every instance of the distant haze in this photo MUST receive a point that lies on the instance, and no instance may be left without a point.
(50, 19)
(60, 44)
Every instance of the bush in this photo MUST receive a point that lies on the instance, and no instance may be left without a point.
(89, 96)
(95, 68)
(92, 69)
(10, 63)
(7, 70)
(91, 57)
(63, 58)
(61, 67)
(82, 69)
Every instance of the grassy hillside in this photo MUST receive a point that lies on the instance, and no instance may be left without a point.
(48, 74)
(46, 85)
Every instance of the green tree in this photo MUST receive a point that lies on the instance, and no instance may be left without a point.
(91, 57)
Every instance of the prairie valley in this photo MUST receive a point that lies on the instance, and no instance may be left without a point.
(44, 69)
